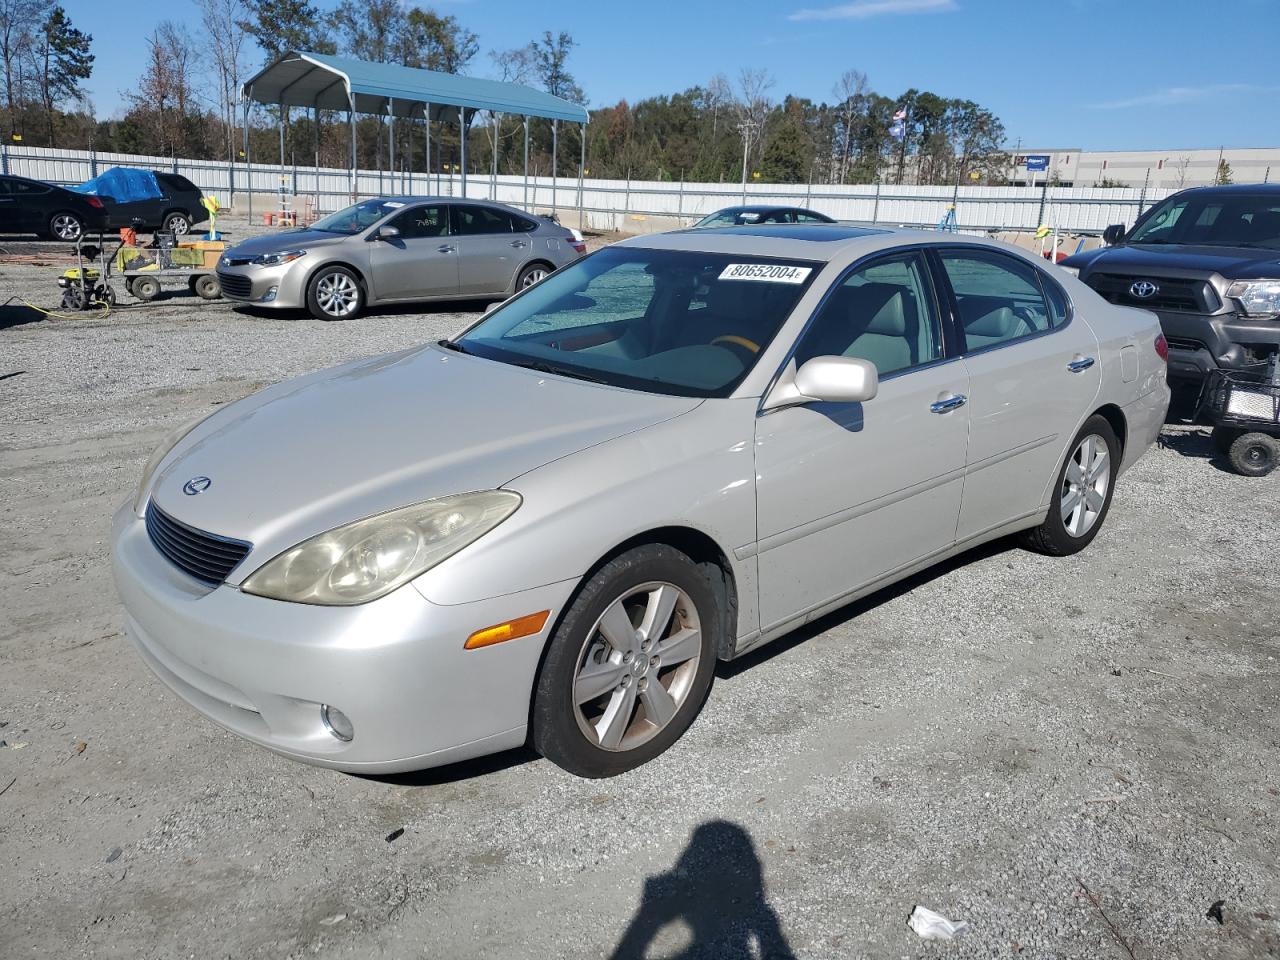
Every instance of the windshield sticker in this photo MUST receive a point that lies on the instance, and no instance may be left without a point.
(768, 272)
(393, 204)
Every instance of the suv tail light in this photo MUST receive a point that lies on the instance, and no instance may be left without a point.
(1162, 347)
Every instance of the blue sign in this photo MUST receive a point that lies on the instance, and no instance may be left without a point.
(1037, 162)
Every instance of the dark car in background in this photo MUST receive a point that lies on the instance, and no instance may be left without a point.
(32, 206)
(739, 216)
(1206, 261)
(176, 210)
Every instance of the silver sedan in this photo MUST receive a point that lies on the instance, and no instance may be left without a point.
(551, 527)
(397, 250)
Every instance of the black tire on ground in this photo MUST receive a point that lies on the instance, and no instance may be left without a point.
(146, 288)
(177, 222)
(532, 274)
(557, 732)
(1254, 454)
(1051, 537)
(66, 226)
(1224, 437)
(335, 285)
(128, 286)
(206, 287)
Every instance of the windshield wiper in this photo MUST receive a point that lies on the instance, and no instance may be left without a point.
(543, 367)
(453, 345)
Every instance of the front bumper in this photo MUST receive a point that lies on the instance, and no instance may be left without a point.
(1200, 343)
(261, 668)
(269, 287)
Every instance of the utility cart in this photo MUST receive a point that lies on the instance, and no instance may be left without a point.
(146, 269)
(1244, 408)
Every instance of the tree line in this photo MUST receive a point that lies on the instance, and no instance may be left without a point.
(185, 103)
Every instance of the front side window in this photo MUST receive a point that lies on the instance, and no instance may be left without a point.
(666, 321)
(998, 296)
(480, 220)
(357, 217)
(883, 312)
(417, 222)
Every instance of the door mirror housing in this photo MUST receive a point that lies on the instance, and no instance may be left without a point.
(387, 233)
(1113, 234)
(825, 380)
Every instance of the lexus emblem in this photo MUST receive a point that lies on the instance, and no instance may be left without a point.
(1143, 290)
(196, 485)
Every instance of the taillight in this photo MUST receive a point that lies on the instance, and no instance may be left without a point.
(1162, 347)
(579, 247)
(94, 202)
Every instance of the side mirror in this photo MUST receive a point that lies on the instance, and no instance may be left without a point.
(1113, 234)
(825, 379)
(387, 233)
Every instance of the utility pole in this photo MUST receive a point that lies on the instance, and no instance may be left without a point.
(747, 128)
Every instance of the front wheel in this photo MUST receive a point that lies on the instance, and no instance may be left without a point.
(206, 287)
(629, 665)
(334, 294)
(1254, 454)
(1082, 494)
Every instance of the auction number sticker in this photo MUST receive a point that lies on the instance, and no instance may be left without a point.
(767, 272)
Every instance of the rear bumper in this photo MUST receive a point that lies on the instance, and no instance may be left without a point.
(261, 668)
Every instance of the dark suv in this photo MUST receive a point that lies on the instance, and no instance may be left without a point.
(1207, 262)
(177, 209)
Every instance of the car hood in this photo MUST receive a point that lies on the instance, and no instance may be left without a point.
(306, 456)
(1233, 263)
(289, 240)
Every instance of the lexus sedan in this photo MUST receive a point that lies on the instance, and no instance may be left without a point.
(49, 211)
(397, 250)
(737, 216)
(550, 527)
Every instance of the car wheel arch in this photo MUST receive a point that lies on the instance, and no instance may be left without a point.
(360, 276)
(1114, 416)
(535, 262)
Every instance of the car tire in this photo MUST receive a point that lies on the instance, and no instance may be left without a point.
(1076, 517)
(66, 226)
(595, 652)
(532, 274)
(1254, 454)
(177, 222)
(146, 288)
(334, 293)
(206, 287)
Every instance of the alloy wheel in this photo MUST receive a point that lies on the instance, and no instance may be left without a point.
(337, 294)
(637, 666)
(1085, 484)
(66, 227)
(533, 276)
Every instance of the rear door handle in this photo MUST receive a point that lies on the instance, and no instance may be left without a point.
(1080, 364)
(953, 402)
(445, 248)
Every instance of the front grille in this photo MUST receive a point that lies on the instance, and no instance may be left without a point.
(205, 556)
(235, 285)
(1177, 294)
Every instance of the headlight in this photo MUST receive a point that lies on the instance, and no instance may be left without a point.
(167, 444)
(1258, 298)
(275, 259)
(369, 558)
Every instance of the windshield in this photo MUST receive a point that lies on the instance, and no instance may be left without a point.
(356, 218)
(1213, 219)
(734, 216)
(667, 321)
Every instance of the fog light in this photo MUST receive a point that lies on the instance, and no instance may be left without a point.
(336, 722)
(267, 298)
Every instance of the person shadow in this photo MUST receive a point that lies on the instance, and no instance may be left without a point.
(716, 891)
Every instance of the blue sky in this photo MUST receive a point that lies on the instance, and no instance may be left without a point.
(1097, 74)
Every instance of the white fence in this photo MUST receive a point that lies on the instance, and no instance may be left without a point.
(619, 204)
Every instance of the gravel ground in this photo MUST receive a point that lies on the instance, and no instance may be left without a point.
(1077, 756)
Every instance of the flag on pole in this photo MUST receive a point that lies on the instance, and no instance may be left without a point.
(898, 130)
(901, 114)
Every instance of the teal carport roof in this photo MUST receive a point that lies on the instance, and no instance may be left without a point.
(332, 83)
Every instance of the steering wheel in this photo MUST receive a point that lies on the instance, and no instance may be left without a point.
(737, 341)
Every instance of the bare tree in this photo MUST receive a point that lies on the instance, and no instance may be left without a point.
(850, 92)
(752, 107)
(164, 91)
(226, 47)
(19, 23)
(719, 96)
(515, 65)
(1180, 172)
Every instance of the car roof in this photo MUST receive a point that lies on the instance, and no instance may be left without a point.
(410, 198)
(1235, 188)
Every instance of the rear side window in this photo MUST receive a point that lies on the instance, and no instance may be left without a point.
(1058, 304)
(999, 297)
(524, 226)
(175, 182)
(27, 187)
(471, 220)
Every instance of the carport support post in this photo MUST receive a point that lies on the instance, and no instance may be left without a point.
(462, 137)
(351, 121)
(391, 140)
(555, 129)
(248, 167)
(315, 124)
(426, 142)
(582, 164)
(526, 164)
(497, 138)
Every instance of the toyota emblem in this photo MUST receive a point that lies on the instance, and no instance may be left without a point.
(1143, 290)
(196, 485)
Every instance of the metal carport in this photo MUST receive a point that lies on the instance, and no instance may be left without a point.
(327, 82)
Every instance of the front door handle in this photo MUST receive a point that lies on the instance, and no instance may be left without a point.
(952, 402)
(445, 248)
(1080, 364)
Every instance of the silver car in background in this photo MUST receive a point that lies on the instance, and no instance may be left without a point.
(552, 527)
(397, 250)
